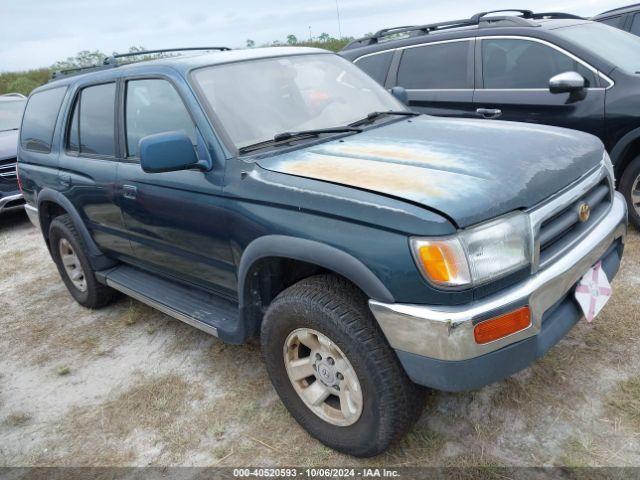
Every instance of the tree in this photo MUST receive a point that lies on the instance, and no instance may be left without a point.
(85, 58)
(250, 43)
(292, 39)
(22, 85)
(324, 37)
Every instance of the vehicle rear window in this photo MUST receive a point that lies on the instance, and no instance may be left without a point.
(518, 64)
(377, 66)
(443, 65)
(91, 130)
(40, 119)
(153, 106)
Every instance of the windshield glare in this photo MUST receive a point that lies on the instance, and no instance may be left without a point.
(11, 114)
(257, 99)
(617, 46)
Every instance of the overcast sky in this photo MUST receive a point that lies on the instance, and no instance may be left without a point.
(36, 33)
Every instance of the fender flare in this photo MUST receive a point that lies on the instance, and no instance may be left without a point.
(315, 253)
(620, 149)
(98, 260)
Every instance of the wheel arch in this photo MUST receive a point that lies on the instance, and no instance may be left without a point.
(624, 151)
(51, 204)
(298, 258)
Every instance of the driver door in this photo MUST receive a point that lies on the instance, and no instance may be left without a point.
(512, 83)
(177, 222)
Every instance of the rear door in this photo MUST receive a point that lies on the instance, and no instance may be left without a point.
(438, 77)
(512, 81)
(88, 165)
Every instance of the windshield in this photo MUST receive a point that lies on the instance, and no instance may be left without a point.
(618, 47)
(257, 99)
(11, 114)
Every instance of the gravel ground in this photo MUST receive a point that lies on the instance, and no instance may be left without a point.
(129, 386)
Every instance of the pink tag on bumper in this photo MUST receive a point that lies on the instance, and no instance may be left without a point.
(593, 292)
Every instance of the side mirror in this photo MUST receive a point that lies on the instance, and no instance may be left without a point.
(401, 95)
(567, 82)
(167, 152)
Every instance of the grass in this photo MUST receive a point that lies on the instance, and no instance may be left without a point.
(625, 402)
(17, 419)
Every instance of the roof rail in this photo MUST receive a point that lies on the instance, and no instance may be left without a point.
(524, 18)
(618, 9)
(112, 61)
(13, 94)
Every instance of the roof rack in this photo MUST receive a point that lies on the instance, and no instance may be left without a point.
(13, 94)
(619, 9)
(112, 61)
(481, 19)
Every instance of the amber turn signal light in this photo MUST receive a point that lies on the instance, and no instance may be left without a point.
(499, 327)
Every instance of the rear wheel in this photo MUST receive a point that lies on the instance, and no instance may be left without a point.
(68, 252)
(630, 188)
(333, 368)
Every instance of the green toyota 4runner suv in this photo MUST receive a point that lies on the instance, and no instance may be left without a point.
(284, 194)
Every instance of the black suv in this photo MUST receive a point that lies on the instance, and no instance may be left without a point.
(544, 68)
(624, 18)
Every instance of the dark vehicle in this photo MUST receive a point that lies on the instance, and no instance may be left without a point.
(543, 68)
(11, 108)
(624, 18)
(282, 193)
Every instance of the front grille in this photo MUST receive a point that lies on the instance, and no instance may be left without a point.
(8, 169)
(564, 228)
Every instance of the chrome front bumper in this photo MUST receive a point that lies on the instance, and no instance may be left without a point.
(446, 333)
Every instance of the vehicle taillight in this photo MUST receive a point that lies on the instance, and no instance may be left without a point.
(18, 177)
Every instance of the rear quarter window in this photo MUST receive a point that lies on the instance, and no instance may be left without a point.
(376, 66)
(39, 120)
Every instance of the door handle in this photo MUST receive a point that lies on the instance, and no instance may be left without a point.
(489, 112)
(129, 192)
(65, 180)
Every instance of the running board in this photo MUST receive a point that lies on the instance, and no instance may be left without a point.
(209, 313)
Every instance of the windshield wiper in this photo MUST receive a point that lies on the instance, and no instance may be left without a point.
(288, 136)
(375, 115)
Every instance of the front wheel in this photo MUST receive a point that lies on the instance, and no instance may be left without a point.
(334, 370)
(630, 187)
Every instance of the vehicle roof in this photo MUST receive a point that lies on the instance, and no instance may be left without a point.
(618, 11)
(546, 25)
(12, 98)
(184, 63)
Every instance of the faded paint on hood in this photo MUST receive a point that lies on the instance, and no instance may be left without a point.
(470, 170)
(8, 144)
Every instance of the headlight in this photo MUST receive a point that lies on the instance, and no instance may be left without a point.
(477, 255)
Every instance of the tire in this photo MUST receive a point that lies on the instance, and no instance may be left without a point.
(630, 186)
(89, 292)
(332, 307)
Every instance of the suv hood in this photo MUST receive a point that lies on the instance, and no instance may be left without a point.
(468, 170)
(8, 144)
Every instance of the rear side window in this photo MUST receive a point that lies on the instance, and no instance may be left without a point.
(520, 64)
(614, 21)
(443, 65)
(40, 119)
(91, 130)
(376, 66)
(153, 106)
(635, 26)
